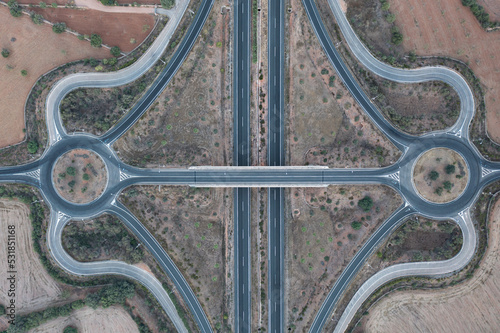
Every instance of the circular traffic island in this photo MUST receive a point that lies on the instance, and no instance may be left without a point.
(440, 175)
(80, 176)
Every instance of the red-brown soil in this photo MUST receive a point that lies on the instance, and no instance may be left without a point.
(447, 28)
(24, 40)
(492, 7)
(116, 29)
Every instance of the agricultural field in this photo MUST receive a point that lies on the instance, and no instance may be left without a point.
(325, 229)
(443, 310)
(191, 121)
(22, 38)
(126, 31)
(325, 124)
(194, 226)
(113, 320)
(492, 7)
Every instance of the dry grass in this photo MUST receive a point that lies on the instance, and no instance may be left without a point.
(192, 226)
(326, 126)
(321, 241)
(190, 123)
(472, 306)
(87, 320)
(37, 50)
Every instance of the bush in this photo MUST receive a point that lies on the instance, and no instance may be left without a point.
(5, 53)
(167, 4)
(59, 27)
(70, 329)
(433, 175)
(36, 18)
(115, 51)
(43, 4)
(356, 225)
(71, 183)
(365, 204)
(95, 40)
(32, 147)
(14, 8)
(447, 185)
(397, 37)
(24, 72)
(86, 176)
(390, 18)
(71, 171)
(439, 191)
(450, 169)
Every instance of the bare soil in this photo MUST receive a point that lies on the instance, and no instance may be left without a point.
(443, 28)
(89, 180)
(492, 7)
(87, 320)
(191, 121)
(325, 124)
(470, 307)
(193, 225)
(321, 240)
(35, 288)
(126, 31)
(437, 160)
(23, 39)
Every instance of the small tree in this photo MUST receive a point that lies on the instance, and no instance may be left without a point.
(439, 191)
(95, 40)
(450, 169)
(24, 72)
(32, 147)
(433, 175)
(43, 4)
(365, 204)
(167, 4)
(70, 329)
(54, 5)
(71, 171)
(397, 37)
(5, 53)
(59, 27)
(86, 176)
(72, 184)
(14, 8)
(447, 185)
(356, 225)
(36, 18)
(115, 51)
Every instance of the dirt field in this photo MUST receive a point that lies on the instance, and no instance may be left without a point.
(470, 307)
(35, 288)
(191, 122)
(126, 31)
(449, 29)
(324, 232)
(440, 175)
(23, 39)
(326, 127)
(193, 225)
(87, 320)
(80, 176)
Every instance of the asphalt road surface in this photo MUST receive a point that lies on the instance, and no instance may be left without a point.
(241, 157)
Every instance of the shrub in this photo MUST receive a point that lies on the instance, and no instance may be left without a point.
(439, 191)
(36, 18)
(356, 225)
(450, 168)
(71, 171)
(14, 8)
(5, 53)
(71, 183)
(43, 4)
(167, 4)
(81, 37)
(70, 329)
(397, 37)
(365, 204)
(32, 147)
(24, 72)
(390, 18)
(447, 185)
(59, 28)
(54, 5)
(433, 175)
(115, 51)
(95, 40)
(86, 176)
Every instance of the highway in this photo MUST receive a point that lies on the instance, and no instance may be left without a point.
(275, 177)
(276, 157)
(241, 157)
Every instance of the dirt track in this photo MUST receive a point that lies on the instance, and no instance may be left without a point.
(110, 320)
(469, 307)
(35, 288)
